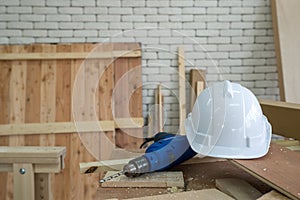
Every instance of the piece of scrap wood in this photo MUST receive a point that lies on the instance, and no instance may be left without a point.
(280, 169)
(273, 195)
(155, 179)
(206, 194)
(182, 89)
(238, 188)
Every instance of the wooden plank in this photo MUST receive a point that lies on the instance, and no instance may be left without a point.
(287, 46)
(69, 127)
(182, 88)
(237, 188)
(23, 183)
(286, 126)
(273, 195)
(206, 194)
(196, 75)
(155, 179)
(160, 113)
(71, 55)
(272, 169)
(43, 186)
(31, 152)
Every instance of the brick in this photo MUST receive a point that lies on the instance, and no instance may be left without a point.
(9, 2)
(254, 77)
(231, 32)
(255, 32)
(85, 33)
(218, 25)
(166, 55)
(241, 70)
(205, 48)
(159, 78)
(242, 25)
(272, 91)
(2, 9)
(181, 18)
(108, 18)
(157, 3)
(172, 40)
(194, 25)
(217, 55)
(217, 10)
(264, 39)
(136, 33)
(157, 33)
(230, 62)
(258, 91)
(264, 54)
(149, 55)
(95, 25)
(109, 3)
(10, 33)
(242, 10)
(84, 18)
(265, 69)
(157, 18)
(120, 25)
(206, 18)
(218, 40)
(252, 47)
(247, 84)
(95, 10)
(120, 11)
(184, 33)
(215, 70)
(229, 18)
(254, 17)
(206, 63)
(58, 18)
(196, 40)
(19, 25)
(70, 10)
(58, 3)
(32, 17)
(185, 3)
(271, 61)
(19, 10)
(3, 25)
(151, 70)
(242, 40)
(83, 3)
(46, 25)
(230, 3)
(194, 10)
(21, 40)
(35, 33)
(109, 33)
(263, 25)
(195, 55)
(266, 84)
(133, 3)
(254, 61)
(240, 54)
(133, 18)
(212, 77)
(47, 40)
(145, 11)
(44, 10)
(71, 25)
(173, 25)
(9, 17)
(95, 40)
(254, 3)
(231, 77)
(32, 2)
(73, 40)
(270, 47)
(60, 33)
(272, 76)
(207, 3)
(262, 10)
(143, 25)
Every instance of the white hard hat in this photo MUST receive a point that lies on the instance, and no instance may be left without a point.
(227, 122)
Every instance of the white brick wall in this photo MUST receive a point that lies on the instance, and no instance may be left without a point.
(231, 39)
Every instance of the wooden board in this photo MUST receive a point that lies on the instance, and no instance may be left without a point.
(238, 189)
(206, 194)
(155, 179)
(280, 169)
(287, 44)
(283, 116)
(37, 95)
(182, 93)
(197, 84)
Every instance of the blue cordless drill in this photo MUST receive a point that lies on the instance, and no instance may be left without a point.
(167, 151)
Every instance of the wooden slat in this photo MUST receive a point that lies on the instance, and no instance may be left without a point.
(68, 127)
(280, 169)
(31, 152)
(284, 117)
(70, 55)
(155, 179)
(287, 45)
(23, 183)
(196, 75)
(182, 88)
(206, 194)
(238, 188)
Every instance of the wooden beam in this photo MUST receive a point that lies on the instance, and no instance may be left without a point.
(182, 88)
(205, 194)
(148, 180)
(237, 188)
(284, 117)
(23, 182)
(279, 169)
(69, 127)
(197, 84)
(72, 55)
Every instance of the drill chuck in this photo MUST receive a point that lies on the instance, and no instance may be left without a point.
(136, 167)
